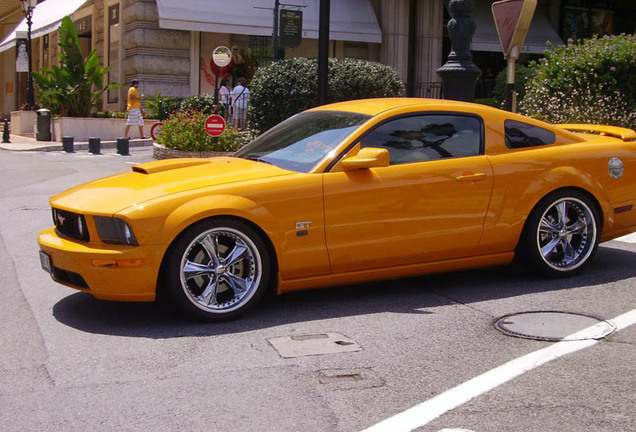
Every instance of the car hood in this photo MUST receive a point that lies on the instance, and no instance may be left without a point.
(151, 180)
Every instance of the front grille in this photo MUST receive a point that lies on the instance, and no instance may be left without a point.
(70, 224)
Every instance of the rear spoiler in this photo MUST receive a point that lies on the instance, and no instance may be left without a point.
(614, 131)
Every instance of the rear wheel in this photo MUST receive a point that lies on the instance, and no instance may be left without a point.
(218, 269)
(561, 235)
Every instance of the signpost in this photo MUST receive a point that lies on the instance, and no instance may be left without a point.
(288, 25)
(291, 26)
(221, 56)
(215, 125)
(512, 19)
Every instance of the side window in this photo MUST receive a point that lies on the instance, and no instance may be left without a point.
(427, 137)
(520, 135)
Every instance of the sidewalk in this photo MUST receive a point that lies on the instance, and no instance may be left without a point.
(22, 143)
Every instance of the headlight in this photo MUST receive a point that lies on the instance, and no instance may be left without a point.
(114, 231)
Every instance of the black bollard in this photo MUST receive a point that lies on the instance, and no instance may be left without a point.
(5, 133)
(67, 144)
(94, 146)
(122, 146)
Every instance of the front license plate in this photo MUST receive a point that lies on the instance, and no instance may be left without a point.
(45, 261)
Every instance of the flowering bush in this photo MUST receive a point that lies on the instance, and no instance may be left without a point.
(201, 102)
(185, 130)
(593, 81)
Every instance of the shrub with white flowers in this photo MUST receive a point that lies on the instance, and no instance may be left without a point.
(590, 81)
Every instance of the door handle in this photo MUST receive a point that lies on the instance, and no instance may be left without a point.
(471, 177)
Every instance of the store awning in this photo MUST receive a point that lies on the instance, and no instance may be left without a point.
(350, 20)
(486, 38)
(47, 17)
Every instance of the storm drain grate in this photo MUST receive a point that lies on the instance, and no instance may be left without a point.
(554, 326)
(349, 379)
(340, 378)
(313, 344)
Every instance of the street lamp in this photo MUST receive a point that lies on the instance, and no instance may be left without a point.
(459, 74)
(27, 8)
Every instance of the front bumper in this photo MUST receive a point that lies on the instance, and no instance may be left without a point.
(108, 272)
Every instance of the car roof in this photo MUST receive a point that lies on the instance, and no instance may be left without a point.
(376, 106)
(379, 106)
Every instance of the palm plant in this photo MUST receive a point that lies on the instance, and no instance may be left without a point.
(74, 87)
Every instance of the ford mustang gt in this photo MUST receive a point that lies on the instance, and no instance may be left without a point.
(347, 193)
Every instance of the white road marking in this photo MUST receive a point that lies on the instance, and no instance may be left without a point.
(431, 409)
(629, 238)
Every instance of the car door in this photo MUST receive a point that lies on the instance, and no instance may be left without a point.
(428, 205)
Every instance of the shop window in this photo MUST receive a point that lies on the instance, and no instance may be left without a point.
(46, 43)
(584, 18)
(84, 27)
(114, 36)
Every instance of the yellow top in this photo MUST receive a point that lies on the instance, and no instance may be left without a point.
(133, 99)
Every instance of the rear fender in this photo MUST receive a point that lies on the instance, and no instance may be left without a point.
(508, 211)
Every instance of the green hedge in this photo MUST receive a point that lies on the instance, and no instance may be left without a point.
(593, 81)
(287, 87)
(201, 102)
(522, 75)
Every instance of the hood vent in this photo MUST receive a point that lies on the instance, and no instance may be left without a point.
(167, 165)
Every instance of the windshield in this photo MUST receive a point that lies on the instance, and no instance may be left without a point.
(300, 142)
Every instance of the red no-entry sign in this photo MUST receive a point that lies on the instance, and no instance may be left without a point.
(215, 125)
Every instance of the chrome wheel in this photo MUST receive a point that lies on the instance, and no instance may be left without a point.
(220, 270)
(566, 235)
(217, 269)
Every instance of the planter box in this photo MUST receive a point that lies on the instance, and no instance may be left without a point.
(162, 152)
(83, 128)
(22, 122)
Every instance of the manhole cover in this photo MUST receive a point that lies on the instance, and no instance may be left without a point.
(554, 326)
(313, 344)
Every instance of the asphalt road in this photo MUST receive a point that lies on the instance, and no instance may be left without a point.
(72, 363)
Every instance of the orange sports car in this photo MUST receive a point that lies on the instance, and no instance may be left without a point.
(346, 193)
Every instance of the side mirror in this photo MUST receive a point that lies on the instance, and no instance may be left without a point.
(368, 157)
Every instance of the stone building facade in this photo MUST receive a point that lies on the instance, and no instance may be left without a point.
(167, 44)
(129, 38)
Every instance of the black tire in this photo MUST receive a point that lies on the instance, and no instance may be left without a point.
(217, 269)
(561, 234)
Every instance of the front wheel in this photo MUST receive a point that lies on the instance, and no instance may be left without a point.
(561, 235)
(218, 269)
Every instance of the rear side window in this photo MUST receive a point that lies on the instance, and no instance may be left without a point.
(520, 135)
